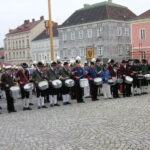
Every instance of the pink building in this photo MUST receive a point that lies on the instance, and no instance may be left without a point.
(140, 37)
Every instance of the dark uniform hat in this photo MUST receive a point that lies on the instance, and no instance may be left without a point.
(66, 63)
(136, 61)
(97, 60)
(123, 61)
(144, 61)
(92, 63)
(54, 64)
(40, 64)
(85, 64)
(24, 65)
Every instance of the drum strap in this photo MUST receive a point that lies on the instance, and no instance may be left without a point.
(24, 76)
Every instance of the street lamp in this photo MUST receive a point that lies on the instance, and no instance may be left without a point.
(51, 30)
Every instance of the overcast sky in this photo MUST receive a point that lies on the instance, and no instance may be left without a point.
(14, 12)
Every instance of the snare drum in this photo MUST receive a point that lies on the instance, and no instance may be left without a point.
(15, 92)
(28, 87)
(43, 85)
(84, 83)
(128, 80)
(69, 83)
(140, 76)
(57, 84)
(119, 81)
(112, 81)
(147, 76)
(98, 81)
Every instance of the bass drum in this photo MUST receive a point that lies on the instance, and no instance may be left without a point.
(43, 85)
(28, 87)
(84, 83)
(15, 92)
(57, 84)
(98, 81)
(69, 83)
(128, 80)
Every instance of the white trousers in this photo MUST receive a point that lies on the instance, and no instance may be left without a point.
(26, 102)
(53, 99)
(40, 101)
(86, 91)
(66, 98)
(106, 91)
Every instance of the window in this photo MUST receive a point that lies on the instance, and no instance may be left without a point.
(19, 44)
(27, 42)
(89, 33)
(64, 37)
(61, 54)
(99, 32)
(14, 55)
(100, 50)
(82, 52)
(81, 34)
(142, 34)
(126, 31)
(143, 55)
(20, 55)
(72, 35)
(23, 54)
(17, 55)
(23, 43)
(16, 45)
(119, 31)
(120, 50)
(9, 55)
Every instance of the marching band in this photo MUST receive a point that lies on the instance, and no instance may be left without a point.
(56, 81)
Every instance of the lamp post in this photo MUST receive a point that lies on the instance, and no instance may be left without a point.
(51, 30)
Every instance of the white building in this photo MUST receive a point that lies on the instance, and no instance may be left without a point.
(18, 41)
(41, 46)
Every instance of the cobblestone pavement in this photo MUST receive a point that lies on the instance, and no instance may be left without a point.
(117, 124)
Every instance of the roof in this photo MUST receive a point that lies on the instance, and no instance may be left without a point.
(144, 15)
(27, 26)
(45, 34)
(98, 12)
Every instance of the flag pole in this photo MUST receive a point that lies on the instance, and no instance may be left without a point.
(51, 31)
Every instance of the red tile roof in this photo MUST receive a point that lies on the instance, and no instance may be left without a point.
(26, 26)
(145, 14)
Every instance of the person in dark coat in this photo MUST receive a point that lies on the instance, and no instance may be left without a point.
(38, 76)
(7, 82)
(22, 77)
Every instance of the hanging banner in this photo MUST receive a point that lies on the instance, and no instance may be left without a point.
(89, 53)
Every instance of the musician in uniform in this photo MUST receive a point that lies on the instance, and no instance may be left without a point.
(92, 74)
(144, 82)
(52, 75)
(65, 73)
(37, 77)
(86, 89)
(22, 77)
(135, 71)
(124, 71)
(78, 74)
(7, 81)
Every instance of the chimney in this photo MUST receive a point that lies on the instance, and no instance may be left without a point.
(26, 21)
(110, 1)
(86, 5)
(33, 20)
(10, 30)
(42, 18)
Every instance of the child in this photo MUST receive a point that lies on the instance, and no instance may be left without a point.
(106, 87)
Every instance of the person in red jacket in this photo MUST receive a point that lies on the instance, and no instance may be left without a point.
(22, 77)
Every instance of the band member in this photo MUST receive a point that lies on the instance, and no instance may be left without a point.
(22, 77)
(144, 82)
(106, 87)
(7, 82)
(37, 77)
(116, 86)
(78, 74)
(124, 71)
(65, 73)
(92, 74)
(59, 93)
(86, 89)
(135, 71)
(52, 75)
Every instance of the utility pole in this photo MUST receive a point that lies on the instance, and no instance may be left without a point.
(51, 31)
